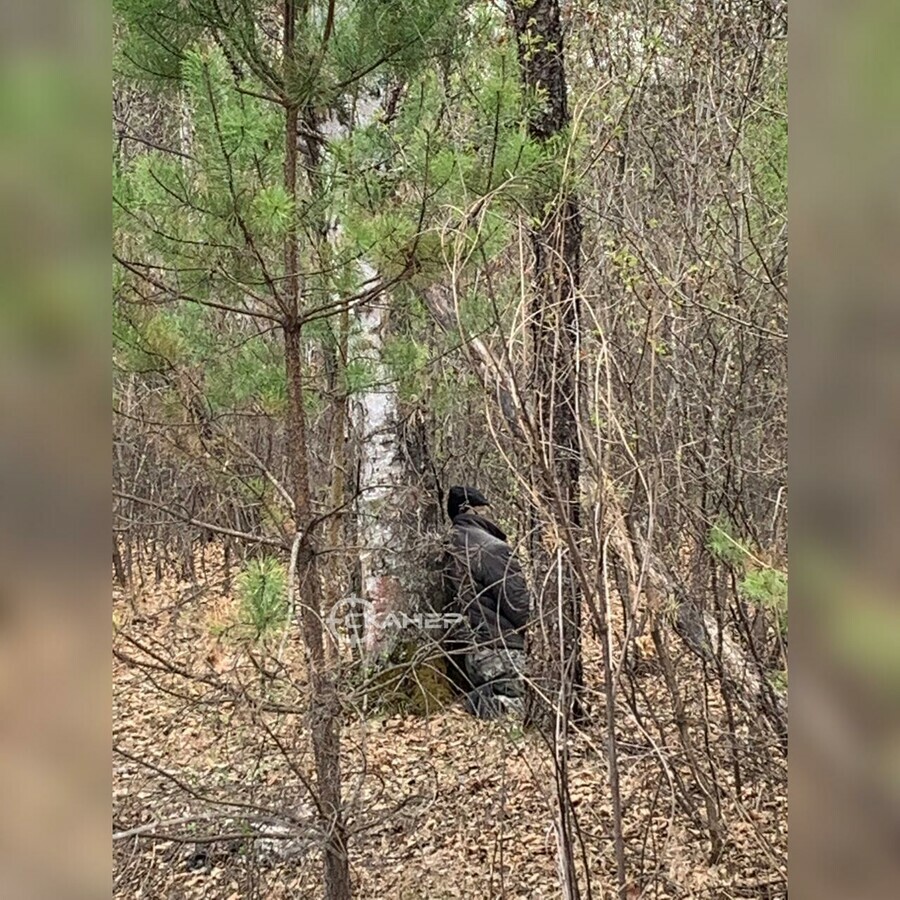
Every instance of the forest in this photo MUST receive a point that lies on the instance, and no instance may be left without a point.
(449, 547)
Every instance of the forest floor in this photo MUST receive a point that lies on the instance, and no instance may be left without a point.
(439, 806)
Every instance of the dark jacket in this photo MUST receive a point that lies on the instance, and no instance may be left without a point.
(484, 583)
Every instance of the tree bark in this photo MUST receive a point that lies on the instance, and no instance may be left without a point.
(556, 242)
(324, 705)
(382, 480)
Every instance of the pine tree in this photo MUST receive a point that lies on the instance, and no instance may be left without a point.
(225, 223)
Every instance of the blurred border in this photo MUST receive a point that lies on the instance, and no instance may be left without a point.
(54, 449)
(844, 459)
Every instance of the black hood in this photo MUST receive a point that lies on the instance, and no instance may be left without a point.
(461, 498)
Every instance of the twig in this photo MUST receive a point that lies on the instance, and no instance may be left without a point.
(218, 529)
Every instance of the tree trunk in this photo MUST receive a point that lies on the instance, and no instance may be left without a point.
(381, 527)
(324, 705)
(556, 669)
(118, 565)
(382, 480)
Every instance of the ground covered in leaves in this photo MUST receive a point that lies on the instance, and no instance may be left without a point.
(212, 757)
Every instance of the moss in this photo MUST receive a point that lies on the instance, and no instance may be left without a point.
(412, 682)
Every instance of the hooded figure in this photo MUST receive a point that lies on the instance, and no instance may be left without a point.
(485, 586)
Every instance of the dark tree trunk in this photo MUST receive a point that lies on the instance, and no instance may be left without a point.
(118, 565)
(555, 669)
(555, 662)
(324, 705)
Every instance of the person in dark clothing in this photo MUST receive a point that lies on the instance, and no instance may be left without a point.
(485, 585)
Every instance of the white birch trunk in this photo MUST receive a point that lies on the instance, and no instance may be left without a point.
(381, 484)
(374, 418)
